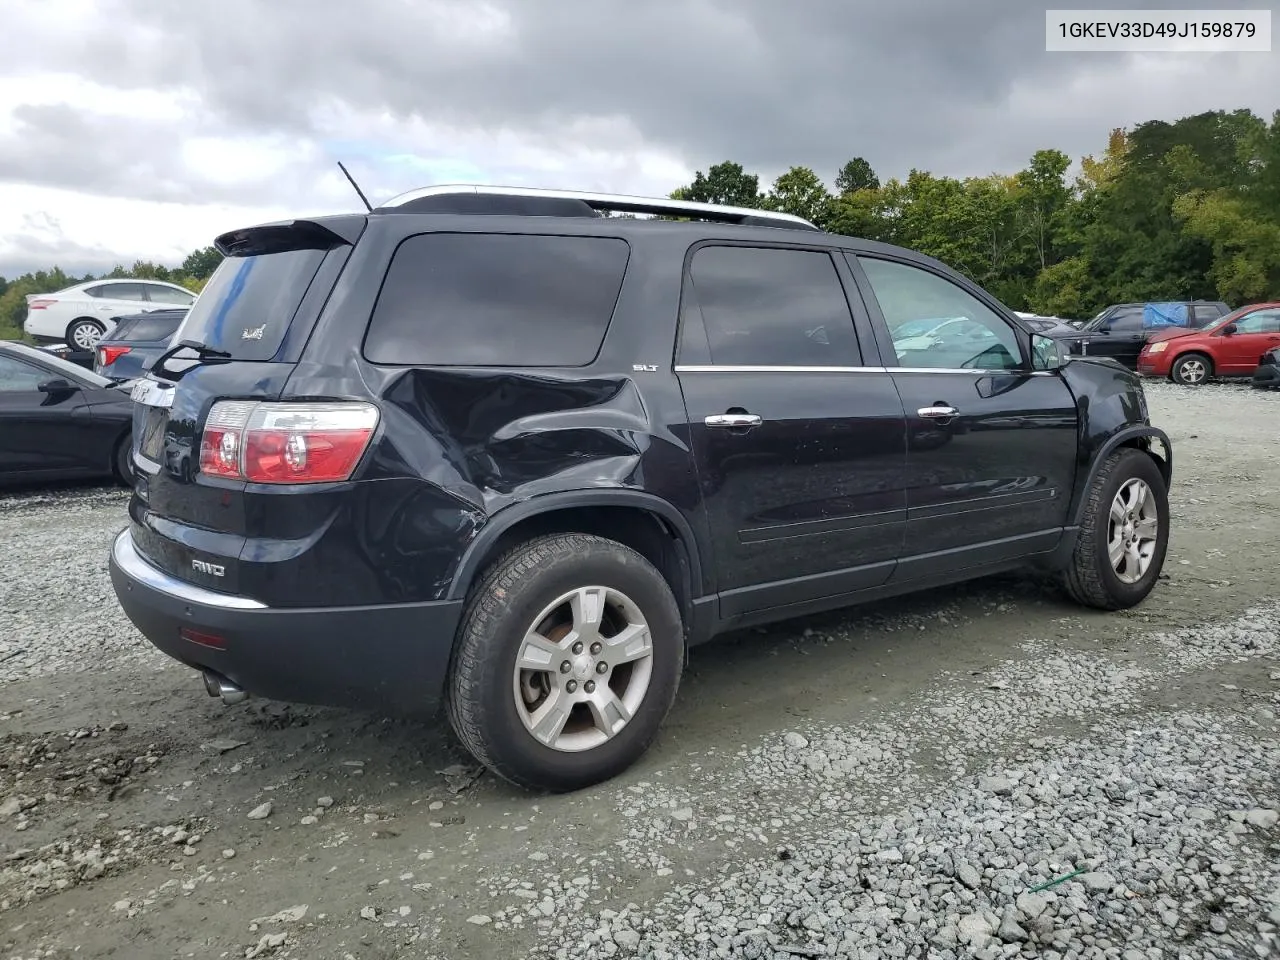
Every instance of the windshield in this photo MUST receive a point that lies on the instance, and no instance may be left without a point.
(65, 367)
(246, 307)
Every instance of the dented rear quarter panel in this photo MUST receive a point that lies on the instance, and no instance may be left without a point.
(458, 448)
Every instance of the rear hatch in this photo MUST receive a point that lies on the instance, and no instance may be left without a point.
(198, 502)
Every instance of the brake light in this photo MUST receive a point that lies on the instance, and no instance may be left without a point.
(109, 355)
(40, 304)
(286, 442)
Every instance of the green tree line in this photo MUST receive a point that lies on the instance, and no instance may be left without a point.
(192, 274)
(1167, 211)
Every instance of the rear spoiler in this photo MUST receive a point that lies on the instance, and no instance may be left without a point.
(322, 233)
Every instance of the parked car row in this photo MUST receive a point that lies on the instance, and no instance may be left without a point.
(65, 412)
(59, 421)
(80, 315)
(1122, 330)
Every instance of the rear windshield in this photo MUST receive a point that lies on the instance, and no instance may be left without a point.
(148, 329)
(246, 307)
(511, 300)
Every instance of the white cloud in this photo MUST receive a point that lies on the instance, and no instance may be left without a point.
(139, 129)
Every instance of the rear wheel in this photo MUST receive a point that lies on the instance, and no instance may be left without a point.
(1191, 369)
(84, 334)
(1124, 534)
(568, 660)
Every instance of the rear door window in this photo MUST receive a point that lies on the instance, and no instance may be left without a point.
(766, 306)
(1206, 313)
(483, 299)
(248, 304)
(121, 291)
(159, 294)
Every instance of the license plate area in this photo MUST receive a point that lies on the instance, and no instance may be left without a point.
(151, 442)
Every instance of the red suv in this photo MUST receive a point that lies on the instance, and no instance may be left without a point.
(1231, 346)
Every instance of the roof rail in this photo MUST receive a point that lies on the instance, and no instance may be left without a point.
(745, 216)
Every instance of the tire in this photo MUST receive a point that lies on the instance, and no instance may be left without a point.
(122, 465)
(1092, 579)
(491, 705)
(84, 334)
(1191, 369)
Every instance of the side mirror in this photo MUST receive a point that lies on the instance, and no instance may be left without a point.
(1230, 330)
(57, 387)
(1047, 353)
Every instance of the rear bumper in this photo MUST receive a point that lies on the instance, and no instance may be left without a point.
(389, 657)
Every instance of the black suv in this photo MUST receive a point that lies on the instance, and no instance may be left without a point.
(490, 449)
(1121, 330)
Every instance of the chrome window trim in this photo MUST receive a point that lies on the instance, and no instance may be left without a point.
(971, 372)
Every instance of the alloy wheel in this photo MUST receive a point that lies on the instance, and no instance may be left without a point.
(1132, 531)
(583, 669)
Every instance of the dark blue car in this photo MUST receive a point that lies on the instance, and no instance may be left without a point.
(135, 341)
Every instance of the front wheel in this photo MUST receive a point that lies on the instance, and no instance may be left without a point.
(1124, 535)
(567, 661)
(1191, 369)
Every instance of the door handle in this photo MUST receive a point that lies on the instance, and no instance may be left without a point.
(732, 420)
(939, 411)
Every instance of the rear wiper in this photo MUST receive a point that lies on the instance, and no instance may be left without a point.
(205, 354)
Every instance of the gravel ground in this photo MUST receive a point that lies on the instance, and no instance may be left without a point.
(983, 772)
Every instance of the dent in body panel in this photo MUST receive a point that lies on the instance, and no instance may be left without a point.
(450, 457)
(1108, 399)
(455, 429)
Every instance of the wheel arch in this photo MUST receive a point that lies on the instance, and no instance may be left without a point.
(1198, 351)
(1143, 438)
(648, 524)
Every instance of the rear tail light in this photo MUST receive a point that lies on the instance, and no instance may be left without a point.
(109, 355)
(40, 304)
(286, 442)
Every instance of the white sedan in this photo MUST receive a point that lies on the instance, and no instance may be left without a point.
(81, 314)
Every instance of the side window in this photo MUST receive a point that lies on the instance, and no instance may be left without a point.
(159, 294)
(96, 292)
(122, 291)
(765, 306)
(485, 299)
(1205, 313)
(17, 376)
(1128, 320)
(936, 323)
(1260, 321)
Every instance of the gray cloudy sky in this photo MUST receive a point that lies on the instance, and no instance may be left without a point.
(140, 128)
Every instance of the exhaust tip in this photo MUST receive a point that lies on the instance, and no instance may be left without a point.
(217, 685)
